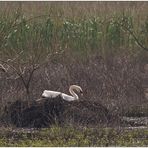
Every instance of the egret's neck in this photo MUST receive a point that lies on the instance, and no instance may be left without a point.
(71, 90)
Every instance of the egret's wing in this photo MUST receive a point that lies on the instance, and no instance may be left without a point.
(50, 94)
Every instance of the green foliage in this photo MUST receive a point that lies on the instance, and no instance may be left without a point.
(114, 33)
(70, 136)
(77, 36)
(47, 31)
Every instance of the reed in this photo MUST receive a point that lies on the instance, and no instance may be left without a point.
(62, 29)
(113, 31)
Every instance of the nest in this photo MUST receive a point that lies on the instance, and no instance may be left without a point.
(56, 111)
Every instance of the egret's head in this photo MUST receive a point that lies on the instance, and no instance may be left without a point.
(77, 88)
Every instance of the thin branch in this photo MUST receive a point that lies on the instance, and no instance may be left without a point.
(134, 36)
(17, 72)
(32, 18)
(3, 68)
(31, 75)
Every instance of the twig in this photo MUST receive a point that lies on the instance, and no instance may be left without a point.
(134, 36)
(3, 68)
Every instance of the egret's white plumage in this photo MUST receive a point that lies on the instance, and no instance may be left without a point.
(68, 97)
(54, 94)
(50, 94)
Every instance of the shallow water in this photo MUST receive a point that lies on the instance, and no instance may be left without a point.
(136, 121)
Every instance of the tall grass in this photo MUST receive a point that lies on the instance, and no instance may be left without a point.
(78, 30)
(82, 36)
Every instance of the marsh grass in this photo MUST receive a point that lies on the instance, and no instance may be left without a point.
(53, 31)
(70, 136)
(97, 46)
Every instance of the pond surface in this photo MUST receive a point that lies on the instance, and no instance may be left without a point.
(131, 124)
(136, 121)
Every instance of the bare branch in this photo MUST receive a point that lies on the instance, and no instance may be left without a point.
(17, 72)
(134, 36)
(2, 68)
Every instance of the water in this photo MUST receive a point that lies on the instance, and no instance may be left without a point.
(139, 122)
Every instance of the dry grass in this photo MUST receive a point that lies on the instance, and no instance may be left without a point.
(95, 50)
(74, 9)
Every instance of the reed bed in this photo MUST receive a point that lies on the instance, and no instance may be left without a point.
(102, 27)
(106, 40)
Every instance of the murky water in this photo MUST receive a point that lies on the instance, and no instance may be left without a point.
(131, 124)
(139, 122)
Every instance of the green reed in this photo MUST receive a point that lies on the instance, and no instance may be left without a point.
(78, 36)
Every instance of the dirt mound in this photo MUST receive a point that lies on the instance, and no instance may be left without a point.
(56, 111)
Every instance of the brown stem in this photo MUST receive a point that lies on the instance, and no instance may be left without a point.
(134, 36)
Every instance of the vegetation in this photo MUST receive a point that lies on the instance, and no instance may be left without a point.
(70, 136)
(101, 46)
(108, 48)
(84, 36)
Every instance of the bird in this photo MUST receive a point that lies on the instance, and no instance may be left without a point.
(54, 94)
